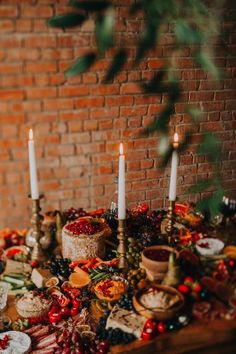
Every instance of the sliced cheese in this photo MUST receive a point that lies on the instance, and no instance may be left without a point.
(127, 321)
(40, 276)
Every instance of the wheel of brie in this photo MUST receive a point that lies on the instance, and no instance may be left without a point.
(19, 343)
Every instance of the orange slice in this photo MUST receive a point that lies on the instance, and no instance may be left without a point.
(78, 270)
(79, 279)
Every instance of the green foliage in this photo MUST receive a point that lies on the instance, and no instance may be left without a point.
(204, 59)
(81, 65)
(116, 65)
(210, 146)
(211, 205)
(104, 31)
(90, 6)
(67, 20)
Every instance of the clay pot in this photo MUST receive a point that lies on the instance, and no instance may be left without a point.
(152, 259)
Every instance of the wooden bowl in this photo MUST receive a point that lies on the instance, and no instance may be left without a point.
(155, 314)
(156, 266)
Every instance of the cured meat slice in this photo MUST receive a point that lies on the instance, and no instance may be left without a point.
(44, 343)
(42, 332)
(42, 351)
(33, 329)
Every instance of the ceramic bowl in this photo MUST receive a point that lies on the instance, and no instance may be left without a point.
(157, 314)
(155, 259)
(209, 246)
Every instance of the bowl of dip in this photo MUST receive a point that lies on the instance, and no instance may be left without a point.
(155, 259)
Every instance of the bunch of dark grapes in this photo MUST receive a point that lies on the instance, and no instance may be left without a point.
(100, 330)
(147, 236)
(117, 336)
(72, 214)
(86, 296)
(125, 301)
(157, 217)
(60, 268)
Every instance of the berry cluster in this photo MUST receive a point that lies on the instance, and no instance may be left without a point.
(86, 227)
(73, 214)
(60, 267)
(126, 300)
(4, 342)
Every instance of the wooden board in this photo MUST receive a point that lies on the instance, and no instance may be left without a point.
(211, 337)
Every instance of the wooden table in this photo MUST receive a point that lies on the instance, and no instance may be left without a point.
(214, 337)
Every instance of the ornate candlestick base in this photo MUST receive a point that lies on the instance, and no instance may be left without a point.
(170, 217)
(122, 245)
(36, 221)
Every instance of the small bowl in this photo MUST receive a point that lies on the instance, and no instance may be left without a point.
(156, 266)
(117, 295)
(155, 314)
(212, 246)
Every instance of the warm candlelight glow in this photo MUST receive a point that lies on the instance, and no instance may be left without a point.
(121, 149)
(176, 137)
(31, 134)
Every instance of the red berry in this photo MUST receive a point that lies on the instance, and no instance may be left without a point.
(74, 311)
(197, 288)
(150, 324)
(231, 263)
(65, 311)
(54, 317)
(146, 336)
(76, 302)
(188, 281)
(183, 288)
(161, 327)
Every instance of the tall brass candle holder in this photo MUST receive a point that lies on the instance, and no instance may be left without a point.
(170, 217)
(36, 221)
(122, 245)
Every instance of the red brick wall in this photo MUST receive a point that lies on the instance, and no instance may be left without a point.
(79, 122)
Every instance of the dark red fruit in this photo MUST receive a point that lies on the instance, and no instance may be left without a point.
(184, 289)
(161, 327)
(74, 311)
(146, 335)
(65, 311)
(76, 302)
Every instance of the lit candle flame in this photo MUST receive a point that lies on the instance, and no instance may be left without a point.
(31, 134)
(176, 137)
(121, 149)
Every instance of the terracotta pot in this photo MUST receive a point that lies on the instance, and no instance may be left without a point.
(155, 266)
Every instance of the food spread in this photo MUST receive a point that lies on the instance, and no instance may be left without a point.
(86, 304)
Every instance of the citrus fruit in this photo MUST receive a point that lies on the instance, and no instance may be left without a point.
(79, 279)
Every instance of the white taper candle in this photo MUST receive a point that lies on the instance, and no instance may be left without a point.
(174, 167)
(33, 167)
(121, 185)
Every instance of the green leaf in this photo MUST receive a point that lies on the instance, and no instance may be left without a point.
(210, 146)
(194, 113)
(186, 34)
(116, 65)
(161, 123)
(205, 61)
(211, 205)
(66, 20)
(90, 6)
(81, 65)
(104, 31)
(200, 186)
(147, 41)
(156, 85)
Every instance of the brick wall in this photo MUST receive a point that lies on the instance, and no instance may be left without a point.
(78, 123)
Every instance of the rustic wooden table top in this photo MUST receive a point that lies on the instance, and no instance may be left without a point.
(212, 337)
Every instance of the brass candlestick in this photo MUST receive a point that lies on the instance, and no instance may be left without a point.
(36, 221)
(170, 217)
(122, 245)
